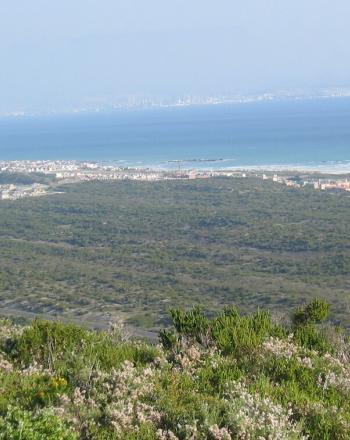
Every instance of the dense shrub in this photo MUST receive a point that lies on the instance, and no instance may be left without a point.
(231, 376)
(316, 311)
(18, 424)
(66, 347)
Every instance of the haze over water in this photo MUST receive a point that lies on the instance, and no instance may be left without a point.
(309, 133)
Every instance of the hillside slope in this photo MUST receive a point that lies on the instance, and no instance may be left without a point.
(229, 377)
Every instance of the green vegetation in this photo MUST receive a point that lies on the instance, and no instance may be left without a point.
(229, 376)
(25, 179)
(134, 249)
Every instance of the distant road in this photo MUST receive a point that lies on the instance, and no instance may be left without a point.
(100, 325)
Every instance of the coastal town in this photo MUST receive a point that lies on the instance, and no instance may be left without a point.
(14, 192)
(334, 183)
(61, 172)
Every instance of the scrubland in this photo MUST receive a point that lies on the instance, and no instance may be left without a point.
(131, 250)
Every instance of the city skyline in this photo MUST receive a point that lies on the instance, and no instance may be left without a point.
(149, 102)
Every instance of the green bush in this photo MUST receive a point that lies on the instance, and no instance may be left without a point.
(315, 311)
(68, 348)
(230, 331)
(19, 424)
(235, 333)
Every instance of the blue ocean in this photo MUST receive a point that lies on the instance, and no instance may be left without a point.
(305, 132)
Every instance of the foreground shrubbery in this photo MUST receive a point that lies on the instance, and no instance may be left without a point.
(230, 377)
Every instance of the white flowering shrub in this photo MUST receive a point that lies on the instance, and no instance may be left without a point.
(251, 416)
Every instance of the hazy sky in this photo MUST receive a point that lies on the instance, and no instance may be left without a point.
(64, 53)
